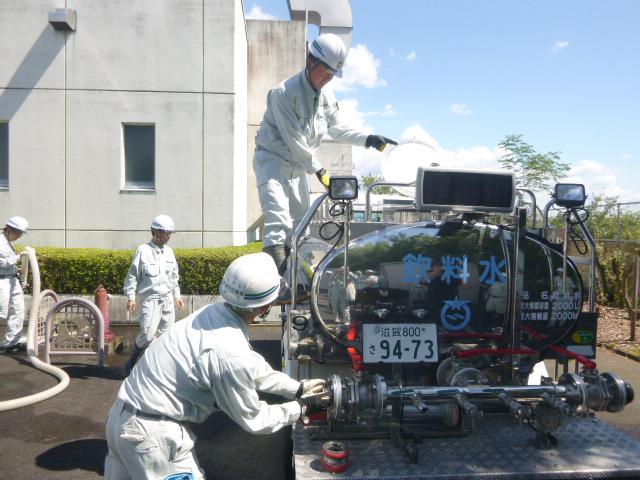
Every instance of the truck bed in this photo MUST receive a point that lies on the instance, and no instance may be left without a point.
(587, 448)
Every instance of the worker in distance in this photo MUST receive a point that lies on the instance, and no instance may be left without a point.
(11, 296)
(153, 278)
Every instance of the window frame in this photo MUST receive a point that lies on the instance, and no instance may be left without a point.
(149, 187)
(4, 183)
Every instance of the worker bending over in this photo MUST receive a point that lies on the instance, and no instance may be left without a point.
(153, 277)
(11, 297)
(300, 111)
(203, 364)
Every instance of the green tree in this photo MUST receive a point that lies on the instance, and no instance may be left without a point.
(602, 221)
(614, 261)
(369, 179)
(605, 224)
(533, 170)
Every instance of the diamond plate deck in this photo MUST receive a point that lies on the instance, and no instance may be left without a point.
(588, 449)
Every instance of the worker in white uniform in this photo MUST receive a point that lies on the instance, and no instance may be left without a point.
(153, 278)
(558, 285)
(300, 111)
(204, 364)
(11, 297)
(342, 297)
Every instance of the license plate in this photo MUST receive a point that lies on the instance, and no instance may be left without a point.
(399, 342)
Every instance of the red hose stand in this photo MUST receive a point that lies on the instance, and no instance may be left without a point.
(102, 302)
(335, 456)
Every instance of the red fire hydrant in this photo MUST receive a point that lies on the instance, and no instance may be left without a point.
(102, 302)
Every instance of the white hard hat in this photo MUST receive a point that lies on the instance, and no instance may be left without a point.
(329, 49)
(251, 281)
(163, 222)
(19, 223)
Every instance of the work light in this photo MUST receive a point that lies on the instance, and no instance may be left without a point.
(569, 195)
(343, 188)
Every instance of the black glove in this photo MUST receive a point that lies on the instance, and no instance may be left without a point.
(308, 387)
(315, 403)
(378, 142)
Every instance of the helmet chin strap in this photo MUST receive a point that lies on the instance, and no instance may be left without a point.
(249, 314)
(264, 315)
(311, 66)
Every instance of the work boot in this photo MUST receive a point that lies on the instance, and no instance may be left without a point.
(133, 359)
(284, 296)
(280, 254)
(14, 348)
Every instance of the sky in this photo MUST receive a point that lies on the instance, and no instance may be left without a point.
(461, 75)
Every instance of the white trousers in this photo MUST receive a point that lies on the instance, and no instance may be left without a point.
(12, 309)
(142, 448)
(156, 316)
(284, 197)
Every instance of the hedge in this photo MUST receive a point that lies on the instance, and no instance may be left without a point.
(79, 271)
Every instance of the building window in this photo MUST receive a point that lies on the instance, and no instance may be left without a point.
(139, 157)
(4, 155)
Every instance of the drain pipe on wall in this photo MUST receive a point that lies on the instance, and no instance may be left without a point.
(29, 258)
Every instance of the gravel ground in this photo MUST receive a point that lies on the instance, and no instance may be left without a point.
(614, 331)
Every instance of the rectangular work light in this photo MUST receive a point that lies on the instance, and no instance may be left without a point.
(343, 188)
(569, 195)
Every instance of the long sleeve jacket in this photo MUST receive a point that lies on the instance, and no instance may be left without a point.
(296, 119)
(205, 364)
(8, 257)
(153, 273)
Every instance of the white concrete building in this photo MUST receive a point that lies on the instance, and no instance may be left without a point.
(131, 108)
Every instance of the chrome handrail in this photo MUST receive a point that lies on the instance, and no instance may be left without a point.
(297, 233)
(534, 205)
(367, 204)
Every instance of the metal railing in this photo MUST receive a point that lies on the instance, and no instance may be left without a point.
(367, 205)
(620, 209)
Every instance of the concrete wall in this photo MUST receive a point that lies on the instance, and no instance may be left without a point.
(32, 76)
(192, 68)
(178, 64)
(277, 50)
(95, 165)
(36, 161)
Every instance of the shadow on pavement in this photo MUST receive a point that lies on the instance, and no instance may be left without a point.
(87, 454)
(86, 372)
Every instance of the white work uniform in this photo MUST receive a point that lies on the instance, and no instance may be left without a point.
(341, 297)
(203, 364)
(11, 297)
(558, 285)
(296, 119)
(497, 298)
(367, 281)
(153, 276)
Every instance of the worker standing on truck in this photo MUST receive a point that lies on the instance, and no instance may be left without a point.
(300, 111)
(11, 296)
(204, 364)
(153, 277)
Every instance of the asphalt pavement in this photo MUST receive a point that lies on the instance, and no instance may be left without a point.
(63, 437)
